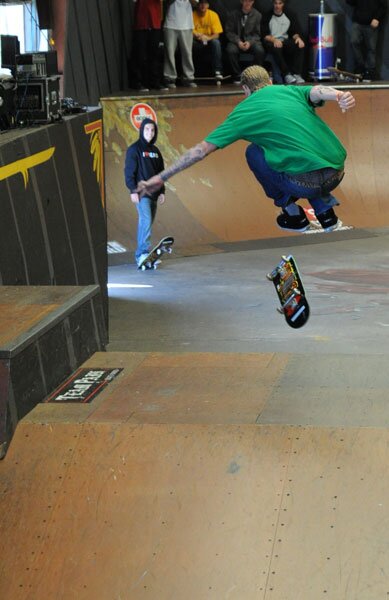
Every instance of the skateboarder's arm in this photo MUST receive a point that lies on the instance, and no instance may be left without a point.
(189, 158)
(320, 93)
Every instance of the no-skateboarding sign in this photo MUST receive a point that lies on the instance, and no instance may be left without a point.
(141, 111)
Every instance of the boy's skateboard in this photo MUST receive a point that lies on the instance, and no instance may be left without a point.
(290, 291)
(217, 80)
(164, 245)
(340, 75)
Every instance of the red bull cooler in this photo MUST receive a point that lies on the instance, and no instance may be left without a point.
(322, 44)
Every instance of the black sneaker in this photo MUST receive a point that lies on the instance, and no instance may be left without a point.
(328, 220)
(298, 222)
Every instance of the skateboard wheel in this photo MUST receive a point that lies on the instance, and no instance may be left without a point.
(159, 251)
(280, 310)
(218, 83)
(269, 276)
(143, 268)
(155, 267)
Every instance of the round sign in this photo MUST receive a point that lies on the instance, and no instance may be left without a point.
(141, 111)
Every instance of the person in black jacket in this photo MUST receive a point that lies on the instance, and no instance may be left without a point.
(283, 41)
(143, 160)
(243, 33)
(367, 18)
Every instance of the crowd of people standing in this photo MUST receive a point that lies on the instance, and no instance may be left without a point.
(176, 40)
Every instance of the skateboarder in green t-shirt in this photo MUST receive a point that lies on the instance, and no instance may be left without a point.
(292, 152)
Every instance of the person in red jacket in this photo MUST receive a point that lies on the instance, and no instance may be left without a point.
(147, 65)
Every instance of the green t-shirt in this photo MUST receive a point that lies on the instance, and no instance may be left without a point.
(283, 121)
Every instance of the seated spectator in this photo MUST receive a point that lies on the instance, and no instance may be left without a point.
(366, 20)
(147, 36)
(243, 32)
(206, 32)
(283, 41)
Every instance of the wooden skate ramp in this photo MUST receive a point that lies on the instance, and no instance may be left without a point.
(133, 497)
(218, 200)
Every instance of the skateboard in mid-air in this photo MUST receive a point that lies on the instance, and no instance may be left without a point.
(163, 246)
(340, 75)
(290, 291)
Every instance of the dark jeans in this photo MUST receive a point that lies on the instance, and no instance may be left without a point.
(147, 66)
(364, 43)
(203, 52)
(289, 58)
(315, 186)
(233, 53)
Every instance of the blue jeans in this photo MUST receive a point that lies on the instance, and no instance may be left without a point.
(201, 51)
(314, 185)
(147, 209)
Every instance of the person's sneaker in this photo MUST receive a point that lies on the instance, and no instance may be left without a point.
(160, 88)
(236, 82)
(368, 76)
(189, 83)
(141, 259)
(328, 220)
(288, 222)
(171, 85)
(298, 78)
(290, 79)
(140, 87)
(218, 76)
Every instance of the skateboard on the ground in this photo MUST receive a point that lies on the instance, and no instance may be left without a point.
(163, 246)
(341, 75)
(217, 80)
(290, 291)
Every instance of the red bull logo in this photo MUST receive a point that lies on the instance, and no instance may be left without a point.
(321, 41)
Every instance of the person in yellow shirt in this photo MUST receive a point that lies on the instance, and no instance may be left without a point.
(206, 32)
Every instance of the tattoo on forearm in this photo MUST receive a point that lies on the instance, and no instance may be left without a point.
(322, 92)
(186, 160)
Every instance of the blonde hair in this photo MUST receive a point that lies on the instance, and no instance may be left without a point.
(255, 77)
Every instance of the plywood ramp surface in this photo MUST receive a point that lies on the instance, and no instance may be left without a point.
(234, 388)
(21, 309)
(124, 511)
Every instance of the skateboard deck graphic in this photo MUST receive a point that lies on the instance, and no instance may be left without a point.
(339, 74)
(290, 292)
(163, 246)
